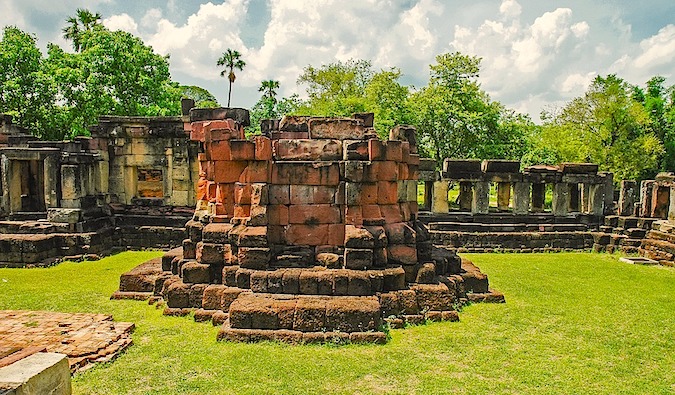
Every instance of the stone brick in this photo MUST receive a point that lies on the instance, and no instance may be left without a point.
(213, 296)
(376, 150)
(307, 150)
(263, 148)
(336, 234)
(385, 171)
(313, 235)
(387, 192)
(306, 173)
(358, 258)
(209, 253)
(314, 214)
(402, 254)
(393, 150)
(242, 150)
(334, 128)
(391, 213)
(254, 257)
(357, 237)
(253, 236)
(277, 214)
(314, 194)
(194, 272)
(290, 281)
(353, 314)
(216, 233)
(242, 193)
(228, 171)
(259, 281)
(310, 315)
(359, 283)
(400, 233)
(279, 194)
(219, 150)
(294, 123)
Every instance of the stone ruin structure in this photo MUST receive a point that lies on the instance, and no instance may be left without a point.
(644, 222)
(307, 233)
(130, 185)
(520, 220)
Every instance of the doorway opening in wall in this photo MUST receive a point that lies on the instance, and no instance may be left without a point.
(29, 182)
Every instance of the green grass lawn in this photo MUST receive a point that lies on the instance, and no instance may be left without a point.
(572, 324)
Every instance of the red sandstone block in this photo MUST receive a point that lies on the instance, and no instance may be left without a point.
(413, 172)
(276, 234)
(225, 193)
(253, 236)
(386, 170)
(201, 157)
(355, 150)
(256, 172)
(263, 148)
(339, 129)
(202, 190)
(242, 193)
(307, 173)
(307, 150)
(242, 150)
(414, 159)
(406, 213)
(219, 150)
(387, 192)
(277, 214)
(279, 194)
(405, 151)
(354, 215)
(371, 211)
(401, 254)
(314, 214)
(218, 209)
(289, 135)
(403, 171)
(391, 213)
(400, 233)
(376, 150)
(212, 191)
(313, 235)
(369, 193)
(414, 208)
(221, 134)
(313, 194)
(228, 171)
(242, 211)
(197, 135)
(394, 150)
(336, 235)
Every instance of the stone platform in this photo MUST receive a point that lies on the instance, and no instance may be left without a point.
(84, 338)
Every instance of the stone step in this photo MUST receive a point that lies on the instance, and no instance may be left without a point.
(505, 227)
(28, 216)
(516, 241)
(497, 218)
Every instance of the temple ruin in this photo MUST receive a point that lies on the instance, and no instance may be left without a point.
(307, 233)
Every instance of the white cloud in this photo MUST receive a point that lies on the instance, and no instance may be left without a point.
(121, 22)
(510, 8)
(576, 82)
(658, 49)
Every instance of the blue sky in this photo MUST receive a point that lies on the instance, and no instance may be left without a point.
(536, 54)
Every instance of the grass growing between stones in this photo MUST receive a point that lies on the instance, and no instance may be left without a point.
(572, 324)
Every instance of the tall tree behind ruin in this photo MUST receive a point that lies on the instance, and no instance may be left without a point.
(84, 22)
(231, 59)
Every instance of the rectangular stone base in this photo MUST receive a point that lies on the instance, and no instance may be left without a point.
(41, 373)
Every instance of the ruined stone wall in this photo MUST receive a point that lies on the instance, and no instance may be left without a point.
(146, 160)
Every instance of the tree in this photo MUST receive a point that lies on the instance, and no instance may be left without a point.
(26, 92)
(607, 126)
(84, 22)
(268, 87)
(659, 102)
(231, 59)
(202, 97)
(456, 119)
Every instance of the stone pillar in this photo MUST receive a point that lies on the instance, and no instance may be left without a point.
(521, 198)
(627, 197)
(575, 199)
(481, 197)
(440, 198)
(70, 186)
(585, 198)
(428, 189)
(503, 195)
(561, 199)
(608, 193)
(538, 197)
(597, 199)
(646, 188)
(671, 208)
(660, 201)
(5, 175)
(465, 195)
(51, 177)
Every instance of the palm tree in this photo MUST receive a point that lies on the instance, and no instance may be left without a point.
(231, 59)
(269, 88)
(78, 25)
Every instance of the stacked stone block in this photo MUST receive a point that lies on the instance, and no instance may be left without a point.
(308, 232)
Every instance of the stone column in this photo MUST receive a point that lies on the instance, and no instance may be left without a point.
(646, 187)
(521, 198)
(575, 198)
(440, 198)
(597, 199)
(608, 193)
(465, 195)
(585, 198)
(5, 175)
(481, 198)
(538, 197)
(70, 186)
(51, 177)
(561, 199)
(503, 195)
(671, 207)
(627, 195)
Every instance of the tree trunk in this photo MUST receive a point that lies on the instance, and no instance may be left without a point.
(229, 95)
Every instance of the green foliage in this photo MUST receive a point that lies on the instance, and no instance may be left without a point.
(202, 97)
(59, 97)
(607, 126)
(456, 119)
(271, 108)
(344, 88)
(554, 335)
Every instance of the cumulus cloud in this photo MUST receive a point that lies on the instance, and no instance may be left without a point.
(121, 22)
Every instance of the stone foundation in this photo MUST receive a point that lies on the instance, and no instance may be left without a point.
(307, 233)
